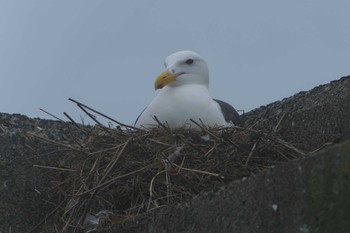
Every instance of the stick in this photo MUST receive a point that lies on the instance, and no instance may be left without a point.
(101, 114)
(54, 168)
(289, 146)
(199, 171)
(204, 129)
(51, 115)
(275, 129)
(89, 114)
(54, 142)
(71, 119)
(161, 124)
(251, 153)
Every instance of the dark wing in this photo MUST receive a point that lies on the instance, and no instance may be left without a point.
(230, 113)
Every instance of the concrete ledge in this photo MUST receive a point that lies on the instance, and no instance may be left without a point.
(310, 118)
(308, 195)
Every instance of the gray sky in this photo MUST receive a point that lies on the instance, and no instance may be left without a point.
(107, 53)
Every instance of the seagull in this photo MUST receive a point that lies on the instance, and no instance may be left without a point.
(183, 100)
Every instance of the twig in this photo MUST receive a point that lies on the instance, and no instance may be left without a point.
(160, 143)
(151, 188)
(115, 160)
(104, 150)
(71, 119)
(283, 155)
(181, 165)
(160, 123)
(199, 171)
(209, 151)
(246, 129)
(55, 142)
(51, 115)
(89, 114)
(105, 116)
(275, 129)
(204, 129)
(280, 141)
(323, 146)
(54, 168)
(200, 126)
(251, 153)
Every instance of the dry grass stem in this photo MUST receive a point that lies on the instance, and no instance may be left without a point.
(54, 168)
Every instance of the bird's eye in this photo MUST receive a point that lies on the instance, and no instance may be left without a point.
(189, 61)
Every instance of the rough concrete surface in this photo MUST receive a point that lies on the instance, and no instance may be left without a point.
(22, 186)
(308, 119)
(308, 195)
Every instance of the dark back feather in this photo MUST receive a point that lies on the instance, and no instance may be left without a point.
(230, 113)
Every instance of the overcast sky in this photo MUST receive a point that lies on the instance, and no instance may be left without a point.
(107, 53)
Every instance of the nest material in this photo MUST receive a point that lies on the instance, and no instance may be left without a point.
(123, 173)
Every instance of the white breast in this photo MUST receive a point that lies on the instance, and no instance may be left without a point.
(175, 106)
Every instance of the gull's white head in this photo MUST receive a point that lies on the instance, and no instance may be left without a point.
(183, 67)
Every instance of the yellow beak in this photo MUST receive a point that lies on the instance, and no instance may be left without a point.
(164, 79)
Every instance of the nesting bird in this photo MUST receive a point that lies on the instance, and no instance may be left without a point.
(184, 95)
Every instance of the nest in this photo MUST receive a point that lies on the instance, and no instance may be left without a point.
(117, 174)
